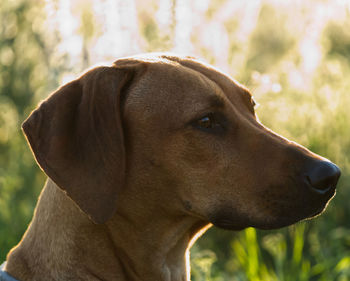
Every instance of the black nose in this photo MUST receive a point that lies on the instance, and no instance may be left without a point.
(323, 176)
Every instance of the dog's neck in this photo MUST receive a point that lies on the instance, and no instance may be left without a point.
(63, 244)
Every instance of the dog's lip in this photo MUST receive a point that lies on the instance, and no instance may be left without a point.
(309, 204)
(229, 225)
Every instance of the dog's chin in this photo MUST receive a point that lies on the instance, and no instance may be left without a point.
(266, 224)
(277, 223)
(227, 221)
(226, 225)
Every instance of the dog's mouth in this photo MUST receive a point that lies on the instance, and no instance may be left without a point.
(298, 196)
(280, 206)
(303, 207)
(274, 210)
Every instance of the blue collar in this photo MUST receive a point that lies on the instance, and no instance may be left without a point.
(4, 276)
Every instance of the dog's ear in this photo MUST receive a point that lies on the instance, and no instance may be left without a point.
(77, 138)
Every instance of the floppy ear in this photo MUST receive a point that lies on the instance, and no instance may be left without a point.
(77, 138)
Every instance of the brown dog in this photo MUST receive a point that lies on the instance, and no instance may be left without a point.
(145, 154)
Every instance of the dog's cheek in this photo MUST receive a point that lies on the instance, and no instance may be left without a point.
(199, 166)
(199, 151)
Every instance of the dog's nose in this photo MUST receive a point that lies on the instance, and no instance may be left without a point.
(323, 176)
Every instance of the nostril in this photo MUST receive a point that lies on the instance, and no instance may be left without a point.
(323, 176)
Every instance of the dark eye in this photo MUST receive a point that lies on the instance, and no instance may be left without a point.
(210, 123)
(206, 122)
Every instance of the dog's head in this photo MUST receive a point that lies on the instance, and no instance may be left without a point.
(179, 129)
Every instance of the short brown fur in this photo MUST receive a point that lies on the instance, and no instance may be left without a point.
(133, 179)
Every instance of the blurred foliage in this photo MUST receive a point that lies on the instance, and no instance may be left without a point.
(25, 73)
(294, 56)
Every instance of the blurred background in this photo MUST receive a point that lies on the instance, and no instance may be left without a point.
(293, 55)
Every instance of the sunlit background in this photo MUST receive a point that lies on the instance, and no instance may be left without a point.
(293, 55)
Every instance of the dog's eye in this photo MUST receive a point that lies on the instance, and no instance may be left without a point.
(210, 122)
(206, 122)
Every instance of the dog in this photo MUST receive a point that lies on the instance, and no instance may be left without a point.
(145, 155)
